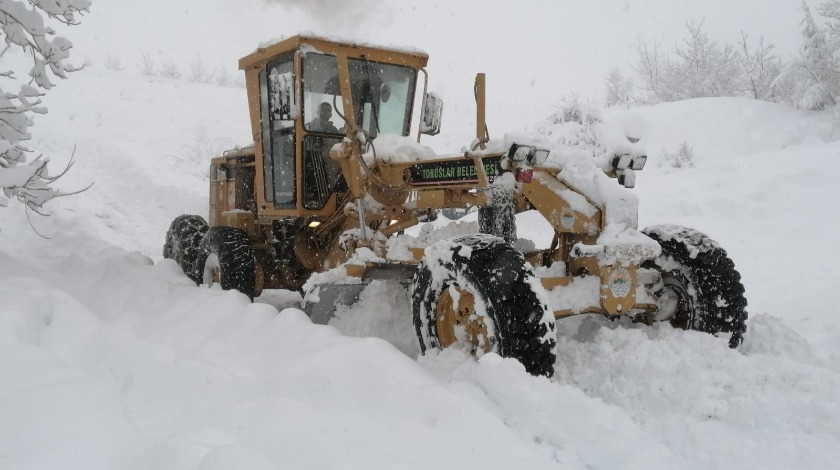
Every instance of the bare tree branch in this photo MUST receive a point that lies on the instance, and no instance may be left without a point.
(23, 26)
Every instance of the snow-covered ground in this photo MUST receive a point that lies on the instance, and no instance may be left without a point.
(112, 358)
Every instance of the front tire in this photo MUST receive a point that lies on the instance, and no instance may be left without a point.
(227, 258)
(477, 292)
(700, 288)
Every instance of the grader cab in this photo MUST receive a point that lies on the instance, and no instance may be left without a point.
(336, 174)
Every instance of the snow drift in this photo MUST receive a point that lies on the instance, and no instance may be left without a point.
(112, 358)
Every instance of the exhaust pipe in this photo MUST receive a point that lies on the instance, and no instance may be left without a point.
(481, 133)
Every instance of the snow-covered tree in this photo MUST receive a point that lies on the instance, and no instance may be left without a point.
(760, 66)
(651, 66)
(698, 67)
(24, 26)
(811, 80)
(573, 123)
(703, 67)
(831, 12)
(619, 88)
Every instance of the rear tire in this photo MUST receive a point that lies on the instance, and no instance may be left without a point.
(227, 258)
(700, 289)
(498, 217)
(182, 243)
(477, 291)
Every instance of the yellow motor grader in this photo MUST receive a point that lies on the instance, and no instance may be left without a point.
(336, 173)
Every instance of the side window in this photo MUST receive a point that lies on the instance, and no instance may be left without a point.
(278, 137)
(321, 174)
(283, 161)
(265, 129)
(282, 95)
(219, 173)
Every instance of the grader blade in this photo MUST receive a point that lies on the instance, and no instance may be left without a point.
(321, 302)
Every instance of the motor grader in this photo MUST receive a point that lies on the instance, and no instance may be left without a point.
(336, 173)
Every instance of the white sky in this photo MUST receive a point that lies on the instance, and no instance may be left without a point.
(534, 51)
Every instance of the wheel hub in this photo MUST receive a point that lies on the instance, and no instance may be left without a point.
(674, 304)
(211, 270)
(457, 321)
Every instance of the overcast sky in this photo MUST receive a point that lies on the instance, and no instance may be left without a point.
(534, 51)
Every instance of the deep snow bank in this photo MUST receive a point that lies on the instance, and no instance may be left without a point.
(113, 359)
(115, 362)
(762, 185)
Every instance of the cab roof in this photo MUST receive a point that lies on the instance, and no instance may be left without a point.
(313, 43)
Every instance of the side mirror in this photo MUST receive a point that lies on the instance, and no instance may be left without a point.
(283, 103)
(385, 92)
(453, 214)
(431, 115)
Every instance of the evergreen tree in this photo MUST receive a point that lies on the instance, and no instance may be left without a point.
(619, 88)
(811, 80)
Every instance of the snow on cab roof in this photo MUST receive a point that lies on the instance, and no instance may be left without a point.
(274, 46)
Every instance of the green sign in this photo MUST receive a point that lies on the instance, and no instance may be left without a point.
(454, 171)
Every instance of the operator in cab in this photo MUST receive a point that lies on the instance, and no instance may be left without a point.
(322, 123)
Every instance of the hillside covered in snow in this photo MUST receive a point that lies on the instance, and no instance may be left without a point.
(112, 358)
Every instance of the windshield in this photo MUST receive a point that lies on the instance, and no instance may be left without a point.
(322, 104)
(381, 95)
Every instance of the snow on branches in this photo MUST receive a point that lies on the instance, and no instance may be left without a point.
(811, 80)
(700, 67)
(24, 26)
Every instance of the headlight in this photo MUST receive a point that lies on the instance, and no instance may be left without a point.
(528, 153)
(625, 161)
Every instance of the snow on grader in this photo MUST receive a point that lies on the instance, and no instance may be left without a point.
(319, 203)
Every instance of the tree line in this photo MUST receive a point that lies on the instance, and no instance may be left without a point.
(697, 67)
(700, 67)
